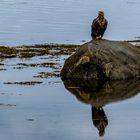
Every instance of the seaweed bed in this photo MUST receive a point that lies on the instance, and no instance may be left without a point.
(36, 50)
(24, 83)
(41, 50)
(48, 52)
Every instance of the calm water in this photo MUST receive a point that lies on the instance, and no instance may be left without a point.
(55, 110)
(65, 21)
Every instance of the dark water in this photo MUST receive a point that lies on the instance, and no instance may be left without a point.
(65, 21)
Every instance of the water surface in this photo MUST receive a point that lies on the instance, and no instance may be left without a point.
(55, 110)
(65, 21)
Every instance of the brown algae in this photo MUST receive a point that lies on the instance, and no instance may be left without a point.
(37, 50)
(24, 83)
(46, 75)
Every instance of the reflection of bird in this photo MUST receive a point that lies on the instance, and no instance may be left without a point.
(99, 26)
(99, 119)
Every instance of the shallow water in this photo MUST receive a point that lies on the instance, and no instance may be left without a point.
(65, 21)
(55, 110)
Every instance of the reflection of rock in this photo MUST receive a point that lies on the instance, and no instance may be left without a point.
(103, 59)
(98, 94)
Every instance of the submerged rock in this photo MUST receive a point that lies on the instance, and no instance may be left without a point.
(103, 59)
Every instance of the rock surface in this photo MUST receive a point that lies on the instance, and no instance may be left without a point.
(103, 59)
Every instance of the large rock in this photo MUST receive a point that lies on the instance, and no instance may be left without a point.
(103, 59)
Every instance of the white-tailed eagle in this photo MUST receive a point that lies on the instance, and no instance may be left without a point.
(99, 26)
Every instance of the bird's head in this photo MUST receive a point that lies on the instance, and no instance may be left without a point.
(101, 14)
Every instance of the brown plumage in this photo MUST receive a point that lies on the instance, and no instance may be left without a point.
(99, 26)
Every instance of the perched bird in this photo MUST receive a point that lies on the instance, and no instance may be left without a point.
(99, 26)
